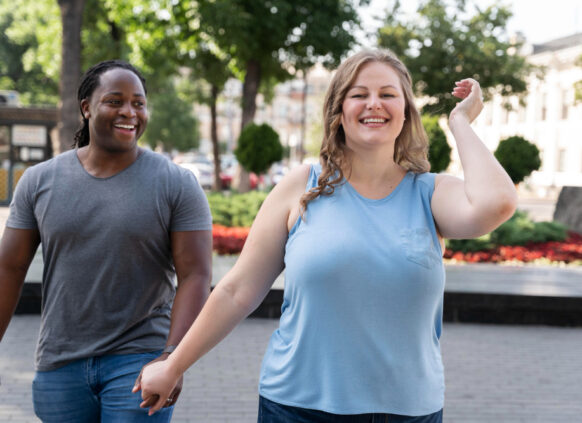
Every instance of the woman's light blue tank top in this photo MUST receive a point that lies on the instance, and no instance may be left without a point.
(362, 309)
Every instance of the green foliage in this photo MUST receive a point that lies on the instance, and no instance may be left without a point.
(235, 209)
(519, 157)
(269, 41)
(30, 36)
(578, 84)
(519, 230)
(258, 147)
(470, 245)
(298, 32)
(172, 123)
(448, 41)
(439, 151)
(139, 31)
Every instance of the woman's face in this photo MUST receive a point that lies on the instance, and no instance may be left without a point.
(117, 111)
(373, 108)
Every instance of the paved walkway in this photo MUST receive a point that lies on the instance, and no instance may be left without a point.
(494, 374)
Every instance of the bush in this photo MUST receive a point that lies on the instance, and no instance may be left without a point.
(482, 243)
(235, 209)
(258, 148)
(439, 150)
(519, 157)
(520, 230)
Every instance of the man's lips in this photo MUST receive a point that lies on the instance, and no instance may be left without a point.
(125, 126)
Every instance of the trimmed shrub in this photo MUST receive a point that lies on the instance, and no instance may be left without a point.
(258, 148)
(519, 157)
(439, 150)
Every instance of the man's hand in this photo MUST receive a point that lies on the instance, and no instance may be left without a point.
(151, 398)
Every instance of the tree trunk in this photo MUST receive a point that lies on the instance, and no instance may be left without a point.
(217, 185)
(249, 107)
(72, 19)
(301, 152)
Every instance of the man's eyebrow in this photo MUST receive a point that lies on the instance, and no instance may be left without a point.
(120, 93)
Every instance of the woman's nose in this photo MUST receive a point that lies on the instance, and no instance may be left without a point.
(373, 102)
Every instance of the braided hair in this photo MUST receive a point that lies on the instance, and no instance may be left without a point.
(89, 82)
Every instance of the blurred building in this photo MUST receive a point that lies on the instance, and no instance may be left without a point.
(550, 117)
(295, 108)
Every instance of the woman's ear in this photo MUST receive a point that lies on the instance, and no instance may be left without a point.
(85, 110)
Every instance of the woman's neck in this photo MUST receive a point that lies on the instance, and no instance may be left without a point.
(373, 175)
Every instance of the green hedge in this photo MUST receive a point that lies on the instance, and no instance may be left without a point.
(235, 209)
(519, 230)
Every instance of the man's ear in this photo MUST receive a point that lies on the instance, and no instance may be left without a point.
(85, 108)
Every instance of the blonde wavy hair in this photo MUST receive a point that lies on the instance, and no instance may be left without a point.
(411, 147)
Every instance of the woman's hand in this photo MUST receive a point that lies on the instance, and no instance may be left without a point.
(470, 92)
(157, 383)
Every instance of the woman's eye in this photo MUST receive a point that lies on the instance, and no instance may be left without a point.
(357, 95)
(113, 101)
(387, 95)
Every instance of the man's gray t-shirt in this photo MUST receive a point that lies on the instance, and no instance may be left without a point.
(108, 271)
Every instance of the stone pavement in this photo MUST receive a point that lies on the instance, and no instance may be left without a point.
(494, 373)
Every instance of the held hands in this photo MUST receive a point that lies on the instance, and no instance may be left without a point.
(160, 387)
(472, 100)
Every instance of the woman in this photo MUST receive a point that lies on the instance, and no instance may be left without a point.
(360, 237)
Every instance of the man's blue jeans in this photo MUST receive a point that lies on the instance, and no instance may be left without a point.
(94, 390)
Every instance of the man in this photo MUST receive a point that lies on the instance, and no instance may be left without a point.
(116, 223)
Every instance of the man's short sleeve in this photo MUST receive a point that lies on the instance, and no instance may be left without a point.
(22, 204)
(191, 211)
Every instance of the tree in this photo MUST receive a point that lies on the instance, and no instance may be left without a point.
(72, 18)
(214, 71)
(439, 150)
(30, 33)
(519, 157)
(272, 39)
(258, 148)
(445, 44)
(172, 124)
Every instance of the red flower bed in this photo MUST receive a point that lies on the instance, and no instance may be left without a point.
(227, 240)
(567, 251)
(231, 240)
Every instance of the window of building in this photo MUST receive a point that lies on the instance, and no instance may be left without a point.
(565, 104)
(562, 160)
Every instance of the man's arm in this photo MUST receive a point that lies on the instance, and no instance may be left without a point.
(192, 255)
(17, 250)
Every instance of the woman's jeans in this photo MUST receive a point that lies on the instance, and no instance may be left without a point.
(272, 412)
(94, 390)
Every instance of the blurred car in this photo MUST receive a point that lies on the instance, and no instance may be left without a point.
(228, 168)
(200, 166)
